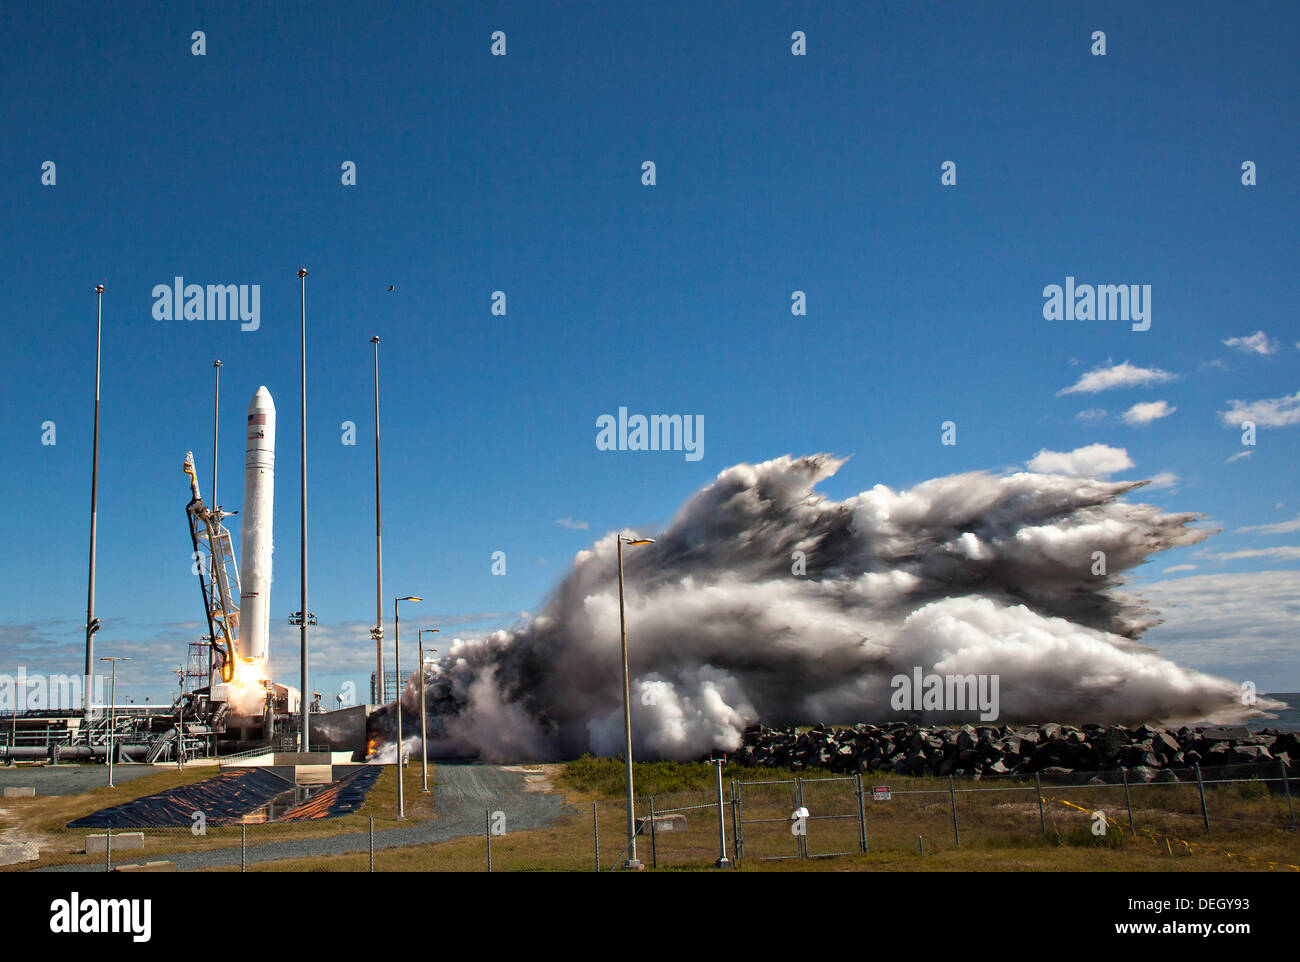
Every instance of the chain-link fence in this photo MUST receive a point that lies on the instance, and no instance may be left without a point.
(752, 822)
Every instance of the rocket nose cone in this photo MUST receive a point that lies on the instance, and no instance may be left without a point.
(262, 400)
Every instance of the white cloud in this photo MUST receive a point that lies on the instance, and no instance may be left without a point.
(1281, 553)
(1176, 568)
(1270, 413)
(571, 524)
(1238, 456)
(1165, 479)
(1092, 414)
(1257, 343)
(1116, 376)
(1093, 461)
(1144, 412)
(1237, 625)
(1281, 527)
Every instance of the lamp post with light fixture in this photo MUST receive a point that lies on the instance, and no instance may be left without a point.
(424, 726)
(632, 863)
(397, 653)
(112, 720)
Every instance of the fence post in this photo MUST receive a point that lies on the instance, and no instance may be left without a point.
(1038, 790)
(801, 840)
(1200, 783)
(243, 846)
(952, 799)
(1129, 802)
(487, 830)
(108, 849)
(737, 822)
(372, 843)
(595, 832)
(1286, 783)
(654, 847)
(862, 815)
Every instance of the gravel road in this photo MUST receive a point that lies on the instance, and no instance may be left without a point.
(74, 779)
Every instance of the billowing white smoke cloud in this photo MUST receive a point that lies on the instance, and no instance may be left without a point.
(765, 600)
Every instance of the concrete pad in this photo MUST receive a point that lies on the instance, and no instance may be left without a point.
(148, 867)
(20, 792)
(11, 853)
(663, 823)
(123, 841)
(313, 774)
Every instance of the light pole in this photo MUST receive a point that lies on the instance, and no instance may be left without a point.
(92, 623)
(112, 700)
(424, 728)
(377, 632)
(304, 737)
(397, 660)
(216, 412)
(722, 861)
(632, 863)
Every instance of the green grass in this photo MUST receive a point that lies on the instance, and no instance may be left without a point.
(1000, 831)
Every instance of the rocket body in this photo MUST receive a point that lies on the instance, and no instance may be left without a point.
(255, 539)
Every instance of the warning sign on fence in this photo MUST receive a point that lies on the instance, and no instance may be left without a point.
(881, 793)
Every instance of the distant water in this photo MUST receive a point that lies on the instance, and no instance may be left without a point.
(1288, 719)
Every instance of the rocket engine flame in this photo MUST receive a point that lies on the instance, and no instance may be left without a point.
(766, 600)
(247, 690)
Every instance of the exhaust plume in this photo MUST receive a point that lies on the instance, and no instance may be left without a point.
(764, 600)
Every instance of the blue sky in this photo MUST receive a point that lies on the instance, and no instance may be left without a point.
(522, 174)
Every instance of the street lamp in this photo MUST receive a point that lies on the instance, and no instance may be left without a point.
(216, 423)
(377, 632)
(112, 699)
(397, 655)
(92, 623)
(424, 729)
(304, 736)
(632, 863)
(722, 861)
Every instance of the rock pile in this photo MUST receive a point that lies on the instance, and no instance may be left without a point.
(1148, 753)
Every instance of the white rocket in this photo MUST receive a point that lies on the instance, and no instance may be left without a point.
(255, 539)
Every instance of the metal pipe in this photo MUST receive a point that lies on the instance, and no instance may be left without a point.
(304, 739)
(91, 624)
(76, 752)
